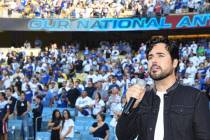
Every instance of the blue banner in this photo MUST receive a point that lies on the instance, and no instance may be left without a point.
(107, 24)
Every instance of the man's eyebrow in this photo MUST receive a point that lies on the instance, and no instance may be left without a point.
(160, 53)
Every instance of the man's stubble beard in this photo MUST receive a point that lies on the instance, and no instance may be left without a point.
(162, 75)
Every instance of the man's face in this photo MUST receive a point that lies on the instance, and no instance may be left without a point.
(99, 84)
(84, 94)
(1, 97)
(191, 64)
(17, 70)
(160, 64)
(115, 90)
(64, 84)
(71, 85)
(8, 93)
(34, 81)
(4, 73)
(113, 80)
(22, 96)
(37, 100)
(89, 84)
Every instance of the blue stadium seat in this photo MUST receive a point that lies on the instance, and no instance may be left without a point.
(82, 125)
(46, 117)
(43, 136)
(78, 129)
(14, 127)
(84, 120)
(47, 111)
(60, 109)
(111, 133)
(108, 119)
(86, 136)
(72, 111)
(13, 123)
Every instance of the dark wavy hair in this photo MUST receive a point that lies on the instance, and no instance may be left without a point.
(99, 95)
(102, 115)
(69, 116)
(53, 115)
(171, 47)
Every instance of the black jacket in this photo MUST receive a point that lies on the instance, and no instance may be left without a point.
(186, 116)
(12, 105)
(37, 111)
(72, 96)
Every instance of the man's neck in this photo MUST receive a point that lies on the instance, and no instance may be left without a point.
(165, 84)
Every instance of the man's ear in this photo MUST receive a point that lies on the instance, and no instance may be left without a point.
(175, 63)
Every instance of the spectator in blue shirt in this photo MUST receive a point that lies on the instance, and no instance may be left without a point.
(113, 84)
(47, 97)
(61, 99)
(207, 50)
(28, 93)
(45, 77)
(86, 51)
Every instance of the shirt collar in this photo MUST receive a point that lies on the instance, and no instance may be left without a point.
(174, 86)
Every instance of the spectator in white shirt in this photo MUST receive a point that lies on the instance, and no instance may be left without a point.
(98, 77)
(53, 88)
(201, 58)
(92, 76)
(114, 100)
(184, 51)
(194, 47)
(191, 70)
(18, 73)
(34, 84)
(24, 84)
(67, 126)
(194, 59)
(150, 10)
(39, 68)
(115, 53)
(98, 105)
(87, 66)
(84, 104)
(187, 80)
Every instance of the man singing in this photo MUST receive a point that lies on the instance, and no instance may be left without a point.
(170, 111)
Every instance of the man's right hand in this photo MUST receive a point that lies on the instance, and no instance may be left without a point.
(137, 92)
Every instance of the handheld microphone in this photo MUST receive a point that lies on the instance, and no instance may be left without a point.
(132, 100)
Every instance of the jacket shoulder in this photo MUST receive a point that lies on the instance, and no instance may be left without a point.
(188, 89)
(186, 95)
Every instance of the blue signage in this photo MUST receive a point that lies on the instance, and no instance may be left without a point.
(119, 24)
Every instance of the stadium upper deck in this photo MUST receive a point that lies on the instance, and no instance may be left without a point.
(99, 8)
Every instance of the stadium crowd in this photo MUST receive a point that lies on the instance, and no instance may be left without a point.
(93, 81)
(99, 8)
